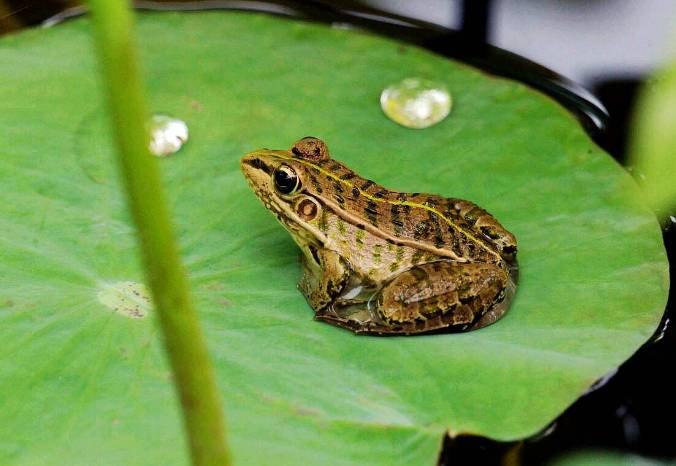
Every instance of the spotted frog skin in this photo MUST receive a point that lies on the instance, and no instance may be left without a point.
(377, 261)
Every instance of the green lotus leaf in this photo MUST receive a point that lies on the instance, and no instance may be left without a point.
(83, 379)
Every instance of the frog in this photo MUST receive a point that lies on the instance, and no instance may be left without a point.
(381, 262)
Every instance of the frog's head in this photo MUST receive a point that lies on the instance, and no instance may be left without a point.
(281, 180)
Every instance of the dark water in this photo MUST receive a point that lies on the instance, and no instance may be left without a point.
(632, 410)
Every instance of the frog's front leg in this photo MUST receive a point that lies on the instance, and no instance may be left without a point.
(443, 294)
(325, 274)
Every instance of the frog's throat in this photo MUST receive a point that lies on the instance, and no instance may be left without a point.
(305, 236)
(308, 245)
(284, 155)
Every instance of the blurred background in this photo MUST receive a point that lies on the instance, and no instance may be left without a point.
(588, 41)
(607, 46)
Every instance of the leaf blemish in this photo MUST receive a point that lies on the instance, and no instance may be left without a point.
(130, 299)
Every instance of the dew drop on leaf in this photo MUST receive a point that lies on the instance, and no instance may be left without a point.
(416, 102)
(167, 135)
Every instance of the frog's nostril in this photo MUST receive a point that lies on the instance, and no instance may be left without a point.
(255, 163)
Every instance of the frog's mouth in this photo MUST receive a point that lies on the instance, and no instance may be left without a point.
(264, 196)
(300, 235)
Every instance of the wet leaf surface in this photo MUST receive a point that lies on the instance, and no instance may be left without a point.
(83, 384)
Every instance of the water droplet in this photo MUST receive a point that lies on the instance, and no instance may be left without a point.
(602, 381)
(130, 299)
(662, 330)
(638, 175)
(167, 135)
(416, 102)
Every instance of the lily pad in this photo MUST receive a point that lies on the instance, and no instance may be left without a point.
(83, 384)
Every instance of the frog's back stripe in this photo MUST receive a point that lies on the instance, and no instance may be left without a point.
(382, 211)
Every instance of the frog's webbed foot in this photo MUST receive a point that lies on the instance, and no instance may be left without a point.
(333, 319)
(360, 323)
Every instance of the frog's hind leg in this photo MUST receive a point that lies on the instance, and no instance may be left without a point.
(444, 294)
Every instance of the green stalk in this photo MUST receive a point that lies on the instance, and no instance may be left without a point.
(183, 339)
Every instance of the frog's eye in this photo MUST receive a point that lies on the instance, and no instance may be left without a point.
(286, 180)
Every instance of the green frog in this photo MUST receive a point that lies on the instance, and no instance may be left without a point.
(382, 262)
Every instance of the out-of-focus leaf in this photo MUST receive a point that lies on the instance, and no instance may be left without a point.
(653, 148)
